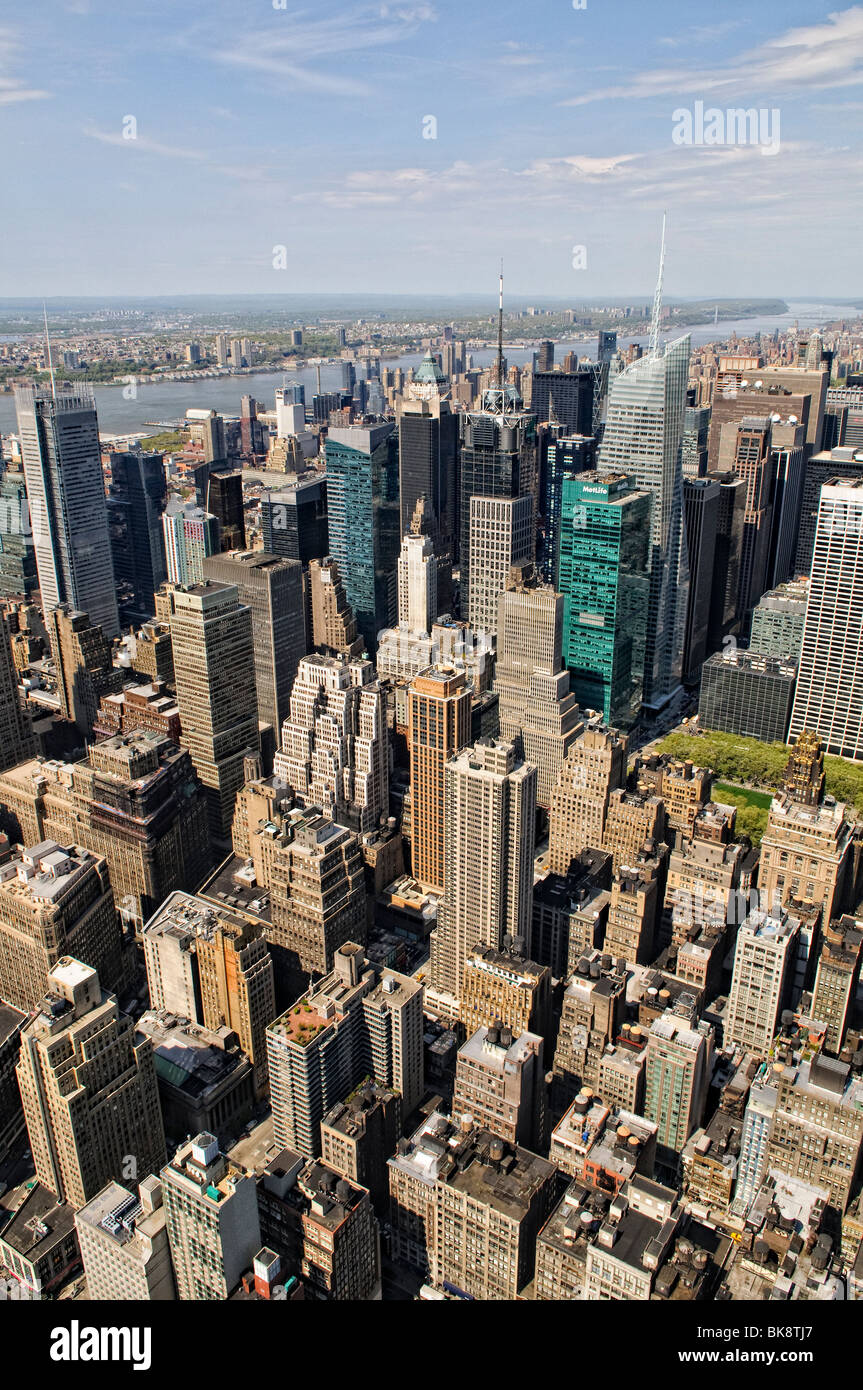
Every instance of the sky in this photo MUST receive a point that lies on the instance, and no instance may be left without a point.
(405, 146)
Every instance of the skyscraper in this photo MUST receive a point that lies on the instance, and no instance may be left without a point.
(54, 902)
(417, 581)
(134, 800)
(607, 345)
(501, 537)
(59, 436)
(136, 501)
(696, 426)
(677, 1075)
(565, 397)
(498, 459)
(317, 891)
(428, 448)
(16, 734)
(294, 520)
(499, 1083)
(17, 552)
(595, 766)
(778, 620)
(817, 1128)
(224, 501)
(807, 847)
(439, 702)
(83, 661)
(747, 693)
(334, 748)
(536, 706)
(560, 457)
(788, 471)
(762, 979)
(273, 590)
(836, 979)
(727, 558)
(212, 967)
(356, 1022)
(88, 1085)
(603, 575)
(332, 625)
(490, 802)
(211, 1210)
(124, 1244)
(750, 460)
(211, 632)
(191, 534)
(701, 499)
(445, 1180)
(364, 521)
(642, 438)
(845, 462)
(828, 698)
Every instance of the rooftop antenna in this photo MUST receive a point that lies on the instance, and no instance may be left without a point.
(657, 299)
(48, 347)
(500, 331)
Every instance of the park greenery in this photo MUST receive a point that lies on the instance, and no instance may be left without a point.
(752, 766)
(169, 442)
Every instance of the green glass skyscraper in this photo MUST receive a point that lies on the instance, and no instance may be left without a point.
(364, 523)
(604, 577)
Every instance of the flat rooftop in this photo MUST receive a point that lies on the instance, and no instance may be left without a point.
(39, 1224)
(224, 889)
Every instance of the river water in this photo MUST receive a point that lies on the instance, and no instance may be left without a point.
(169, 400)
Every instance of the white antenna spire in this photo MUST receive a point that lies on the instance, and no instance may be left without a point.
(48, 347)
(657, 299)
(500, 333)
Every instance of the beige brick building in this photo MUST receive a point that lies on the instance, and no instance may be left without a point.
(54, 902)
(88, 1087)
(595, 766)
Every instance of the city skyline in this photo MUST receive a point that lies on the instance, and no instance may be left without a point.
(431, 754)
(464, 125)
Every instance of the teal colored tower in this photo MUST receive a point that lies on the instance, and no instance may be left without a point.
(604, 578)
(364, 523)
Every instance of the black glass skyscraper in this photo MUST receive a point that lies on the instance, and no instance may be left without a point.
(294, 521)
(225, 501)
(428, 449)
(498, 459)
(566, 397)
(136, 501)
(561, 456)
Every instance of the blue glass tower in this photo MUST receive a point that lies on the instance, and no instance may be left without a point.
(364, 523)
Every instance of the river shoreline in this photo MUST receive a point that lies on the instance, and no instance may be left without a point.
(132, 408)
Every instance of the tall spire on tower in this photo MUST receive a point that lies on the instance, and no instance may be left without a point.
(657, 299)
(500, 331)
(48, 351)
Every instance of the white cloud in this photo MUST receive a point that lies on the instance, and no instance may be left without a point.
(817, 56)
(144, 145)
(702, 33)
(13, 89)
(291, 53)
(245, 173)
